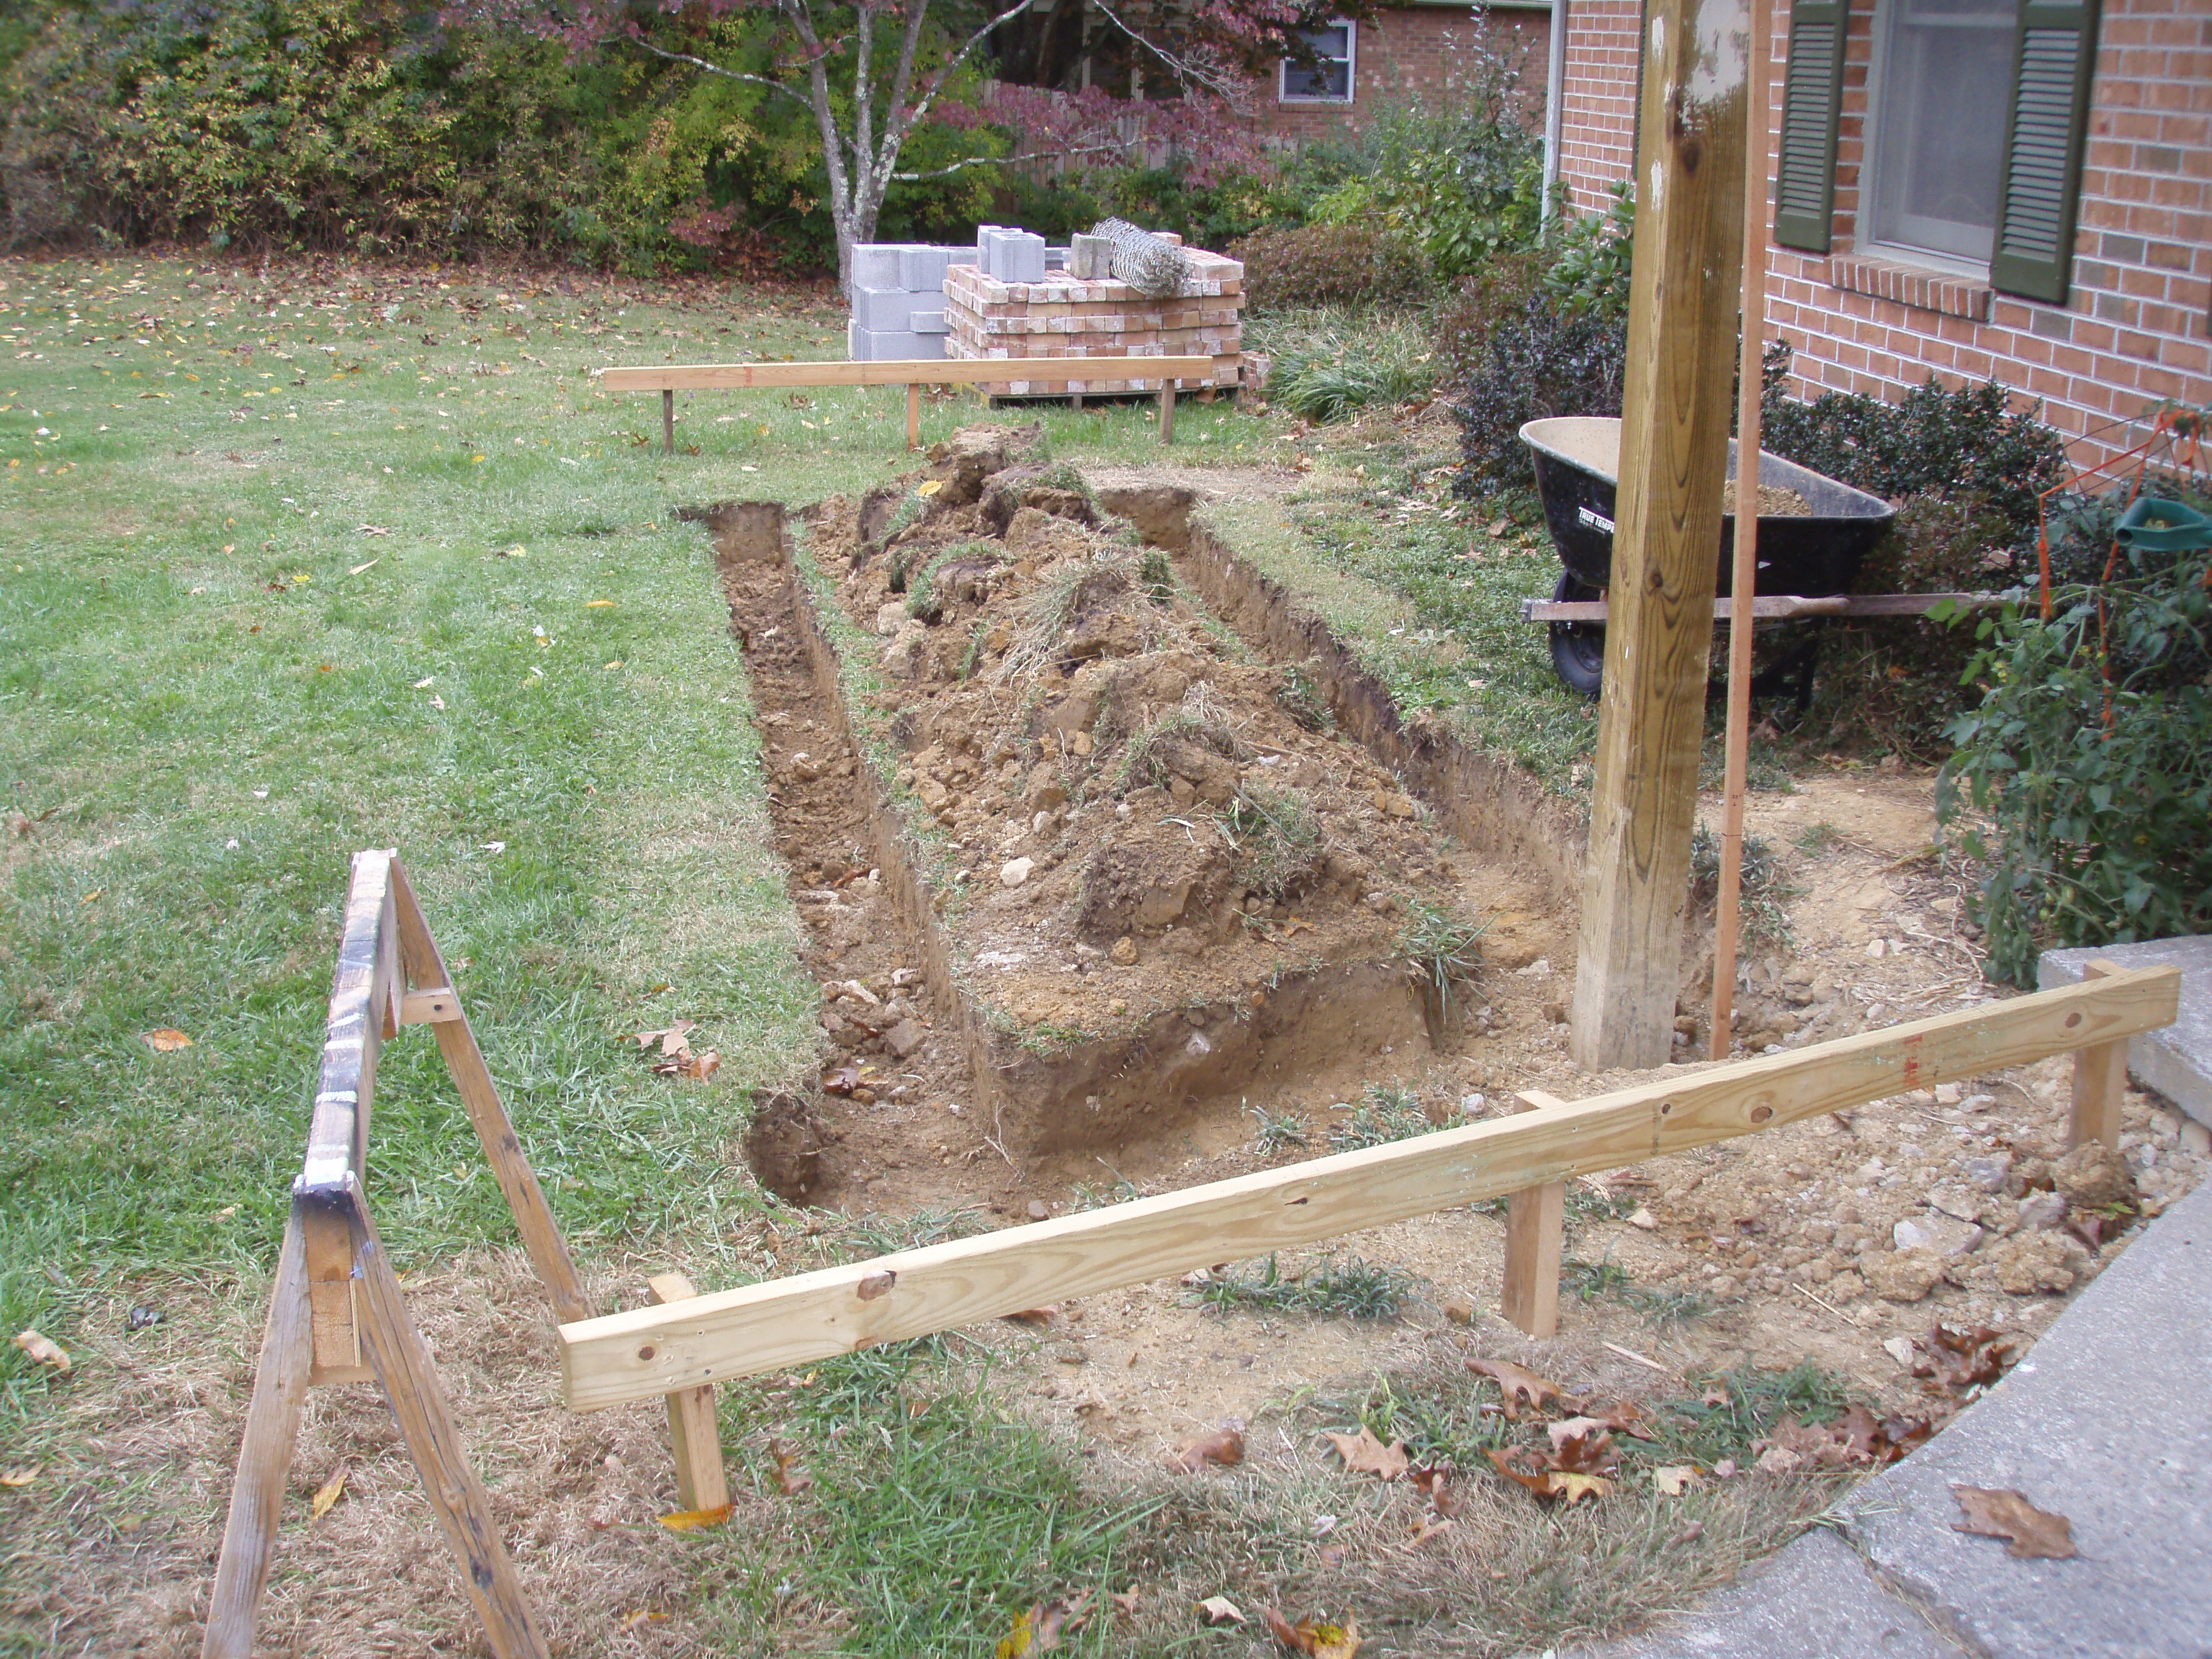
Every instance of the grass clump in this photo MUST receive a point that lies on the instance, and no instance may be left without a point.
(1199, 720)
(1276, 838)
(925, 601)
(1442, 947)
(1352, 1288)
(1074, 586)
(1329, 365)
(1382, 1115)
(1276, 1131)
(1589, 1280)
(1763, 892)
(1300, 697)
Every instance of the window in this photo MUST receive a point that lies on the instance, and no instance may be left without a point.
(1937, 138)
(1327, 78)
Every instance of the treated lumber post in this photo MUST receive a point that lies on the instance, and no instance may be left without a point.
(1674, 453)
(1167, 411)
(668, 422)
(913, 414)
(695, 1432)
(264, 1456)
(409, 1380)
(1536, 1237)
(2100, 1081)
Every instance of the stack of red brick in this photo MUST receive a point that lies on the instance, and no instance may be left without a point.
(1062, 317)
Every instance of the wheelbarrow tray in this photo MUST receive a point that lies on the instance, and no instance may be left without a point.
(1577, 468)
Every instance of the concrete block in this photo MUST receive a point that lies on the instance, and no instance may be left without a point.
(2178, 1060)
(922, 268)
(930, 322)
(855, 343)
(882, 311)
(1024, 257)
(893, 345)
(1090, 259)
(875, 264)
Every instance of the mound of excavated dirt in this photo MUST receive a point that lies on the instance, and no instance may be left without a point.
(1090, 864)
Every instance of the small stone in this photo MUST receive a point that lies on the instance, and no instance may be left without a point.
(1989, 1174)
(1644, 1219)
(1015, 872)
(1071, 1353)
(1905, 1275)
(2041, 1212)
(1949, 1094)
(1459, 1312)
(1820, 1271)
(1124, 953)
(904, 1039)
(1037, 1211)
(1040, 823)
(889, 616)
(1080, 744)
(2196, 1139)
(1400, 806)
(1725, 1286)
(1957, 1202)
(2093, 1175)
(1471, 1105)
(1898, 1348)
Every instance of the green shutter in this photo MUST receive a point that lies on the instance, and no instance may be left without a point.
(2041, 177)
(1805, 176)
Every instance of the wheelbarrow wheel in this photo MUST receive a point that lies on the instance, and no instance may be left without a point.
(1577, 648)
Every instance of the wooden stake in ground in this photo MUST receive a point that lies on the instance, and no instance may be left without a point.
(1673, 450)
(1728, 911)
(1535, 1238)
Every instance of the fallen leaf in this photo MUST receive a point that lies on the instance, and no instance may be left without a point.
(1043, 1315)
(425, 683)
(931, 488)
(643, 1616)
(1965, 1362)
(1520, 1385)
(1127, 1599)
(43, 1350)
(1037, 1630)
(1588, 1451)
(1626, 1417)
(2003, 1513)
(1434, 1482)
(597, 604)
(18, 1477)
(789, 1481)
(1218, 1609)
(694, 1520)
(1426, 1528)
(1673, 1479)
(1306, 1636)
(94, 897)
(843, 1081)
(166, 1040)
(371, 565)
(1224, 1445)
(327, 1495)
(1544, 1477)
(1363, 1454)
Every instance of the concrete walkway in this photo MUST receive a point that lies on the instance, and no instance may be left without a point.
(2108, 1421)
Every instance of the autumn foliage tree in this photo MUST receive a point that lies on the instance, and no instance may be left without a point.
(870, 73)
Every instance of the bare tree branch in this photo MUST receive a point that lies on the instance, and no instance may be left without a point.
(1005, 160)
(716, 68)
(1183, 69)
(937, 81)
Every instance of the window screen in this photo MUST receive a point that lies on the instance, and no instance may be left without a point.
(1939, 129)
(1327, 79)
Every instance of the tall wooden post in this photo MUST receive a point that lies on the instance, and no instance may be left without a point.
(1673, 454)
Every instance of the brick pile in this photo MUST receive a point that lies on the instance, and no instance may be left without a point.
(1064, 317)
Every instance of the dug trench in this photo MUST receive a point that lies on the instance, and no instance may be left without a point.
(1092, 883)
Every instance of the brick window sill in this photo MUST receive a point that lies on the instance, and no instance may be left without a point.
(1919, 286)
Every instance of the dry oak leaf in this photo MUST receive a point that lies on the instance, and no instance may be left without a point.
(1037, 1630)
(19, 1477)
(43, 1349)
(166, 1040)
(1363, 1454)
(1224, 1445)
(670, 1038)
(694, 1520)
(1532, 1469)
(1673, 1479)
(1625, 1417)
(327, 1495)
(1217, 1609)
(1434, 1482)
(1520, 1385)
(1318, 1640)
(2003, 1513)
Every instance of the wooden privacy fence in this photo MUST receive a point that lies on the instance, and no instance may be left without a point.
(913, 373)
(697, 1342)
(337, 1304)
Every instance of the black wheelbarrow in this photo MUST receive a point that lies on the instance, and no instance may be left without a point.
(1807, 563)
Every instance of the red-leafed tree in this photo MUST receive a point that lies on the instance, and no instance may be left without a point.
(870, 72)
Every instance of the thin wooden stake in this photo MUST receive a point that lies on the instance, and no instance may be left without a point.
(264, 1456)
(1743, 582)
(913, 415)
(1167, 411)
(410, 1380)
(2100, 1081)
(668, 422)
(1535, 1240)
(695, 1432)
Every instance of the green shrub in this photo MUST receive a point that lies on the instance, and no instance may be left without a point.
(1330, 362)
(2088, 761)
(1591, 258)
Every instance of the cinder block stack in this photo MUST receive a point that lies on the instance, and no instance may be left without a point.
(898, 300)
(1053, 313)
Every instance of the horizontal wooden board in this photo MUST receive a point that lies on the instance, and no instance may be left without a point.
(922, 371)
(1778, 607)
(361, 989)
(789, 1321)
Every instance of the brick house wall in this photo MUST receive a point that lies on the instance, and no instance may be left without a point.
(1405, 51)
(2134, 324)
